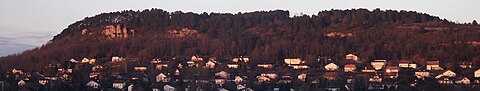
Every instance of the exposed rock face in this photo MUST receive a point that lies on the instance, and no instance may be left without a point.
(338, 34)
(119, 31)
(184, 32)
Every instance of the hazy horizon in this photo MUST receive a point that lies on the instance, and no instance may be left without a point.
(29, 24)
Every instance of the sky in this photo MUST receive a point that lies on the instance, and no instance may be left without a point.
(26, 24)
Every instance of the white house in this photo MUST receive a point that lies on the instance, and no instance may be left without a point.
(266, 66)
(477, 73)
(222, 74)
(378, 64)
(261, 79)
(43, 81)
(293, 61)
(269, 75)
(118, 84)
(463, 81)
(210, 64)
(331, 67)
(237, 59)
(422, 74)
(93, 84)
(233, 66)
(85, 60)
(168, 88)
(352, 57)
(161, 78)
(447, 73)
(220, 81)
(196, 58)
(302, 76)
(433, 65)
(21, 83)
(406, 64)
(238, 79)
(116, 59)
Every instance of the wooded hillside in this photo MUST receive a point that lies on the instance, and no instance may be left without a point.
(266, 36)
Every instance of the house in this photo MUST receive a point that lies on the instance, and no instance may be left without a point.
(302, 77)
(465, 64)
(462, 81)
(155, 61)
(168, 88)
(391, 72)
(261, 79)
(238, 80)
(97, 68)
(352, 57)
(299, 67)
(241, 88)
(448, 73)
(378, 64)
(296, 63)
(232, 66)
(331, 67)
(407, 64)
(210, 64)
(269, 75)
(116, 59)
(94, 74)
(140, 68)
(93, 84)
(293, 61)
(222, 74)
(159, 66)
(17, 71)
(92, 61)
(433, 65)
(74, 61)
(66, 77)
(241, 58)
(89, 61)
(161, 78)
(265, 65)
(375, 78)
(196, 58)
(391, 69)
(285, 79)
(349, 68)
(477, 73)
(118, 84)
(445, 80)
(220, 81)
(21, 83)
(85, 60)
(422, 74)
(191, 63)
(69, 70)
(368, 69)
(43, 81)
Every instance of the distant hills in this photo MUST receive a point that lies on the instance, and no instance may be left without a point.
(265, 36)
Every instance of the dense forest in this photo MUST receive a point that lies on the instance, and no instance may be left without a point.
(265, 36)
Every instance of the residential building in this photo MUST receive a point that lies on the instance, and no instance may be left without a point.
(433, 65)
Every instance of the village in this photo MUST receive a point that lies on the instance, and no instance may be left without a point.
(240, 73)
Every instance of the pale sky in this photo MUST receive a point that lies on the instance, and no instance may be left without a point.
(25, 24)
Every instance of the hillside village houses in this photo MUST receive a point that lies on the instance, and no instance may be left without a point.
(238, 73)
